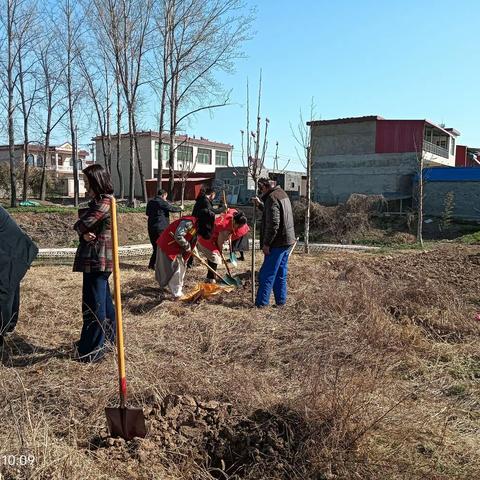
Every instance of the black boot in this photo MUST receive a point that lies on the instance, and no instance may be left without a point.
(210, 274)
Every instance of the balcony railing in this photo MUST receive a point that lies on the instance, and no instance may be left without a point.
(435, 149)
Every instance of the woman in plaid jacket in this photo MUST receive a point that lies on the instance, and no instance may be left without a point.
(94, 260)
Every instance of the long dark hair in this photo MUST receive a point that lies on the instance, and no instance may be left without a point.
(204, 191)
(240, 218)
(98, 180)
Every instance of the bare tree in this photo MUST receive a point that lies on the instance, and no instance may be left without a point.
(126, 25)
(27, 84)
(255, 164)
(420, 156)
(186, 167)
(118, 94)
(164, 26)
(99, 82)
(69, 32)
(303, 136)
(51, 73)
(205, 37)
(10, 28)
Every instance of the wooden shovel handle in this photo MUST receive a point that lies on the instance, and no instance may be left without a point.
(118, 306)
(225, 263)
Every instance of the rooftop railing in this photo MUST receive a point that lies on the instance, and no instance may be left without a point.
(435, 149)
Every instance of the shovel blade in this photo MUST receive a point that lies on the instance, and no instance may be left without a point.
(232, 281)
(126, 422)
(233, 260)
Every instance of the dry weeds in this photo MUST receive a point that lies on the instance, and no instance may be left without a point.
(372, 370)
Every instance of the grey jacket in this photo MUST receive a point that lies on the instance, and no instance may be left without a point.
(17, 252)
(277, 229)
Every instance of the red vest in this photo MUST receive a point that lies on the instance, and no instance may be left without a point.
(169, 245)
(222, 223)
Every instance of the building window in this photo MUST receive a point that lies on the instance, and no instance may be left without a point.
(52, 158)
(184, 154)
(166, 151)
(204, 156)
(60, 160)
(40, 161)
(452, 143)
(221, 158)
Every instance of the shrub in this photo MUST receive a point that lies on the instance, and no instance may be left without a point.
(341, 222)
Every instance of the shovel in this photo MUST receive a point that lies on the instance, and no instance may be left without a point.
(231, 279)
(224, 280)
(123, 421)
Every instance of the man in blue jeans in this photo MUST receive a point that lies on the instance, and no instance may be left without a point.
(277, 235)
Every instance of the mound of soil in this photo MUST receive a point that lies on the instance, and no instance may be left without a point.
(50, 230)
(212, 436)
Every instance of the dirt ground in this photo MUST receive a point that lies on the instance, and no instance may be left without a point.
(49, 230)
(371, 371)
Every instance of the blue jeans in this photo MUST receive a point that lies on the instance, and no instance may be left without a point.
(273, 275)
(98, 317)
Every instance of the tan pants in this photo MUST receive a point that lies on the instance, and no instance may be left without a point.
(211, 256)
(170, 273)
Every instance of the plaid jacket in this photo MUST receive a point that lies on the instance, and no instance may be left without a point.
(95, 256)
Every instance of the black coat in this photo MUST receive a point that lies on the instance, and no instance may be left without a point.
(277, 229)
(17, 252)
(158, 213)
(203, 203)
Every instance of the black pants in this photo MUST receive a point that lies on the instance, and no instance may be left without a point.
(9, 312)
(153, 233)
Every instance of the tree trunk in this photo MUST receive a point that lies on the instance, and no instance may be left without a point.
(11, 106)
(139, 160)
(70, 106)
(25, 126)
(182, 195)
(131, 151)
(309, 201)
(108, 127)
(254, 235)
(121, 186)
(173, 131)
(43, 183)
(161, 128)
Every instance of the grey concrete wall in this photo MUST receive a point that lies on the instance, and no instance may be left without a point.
(238, 177)
(336, 177)
(466, 199)
(343, 139)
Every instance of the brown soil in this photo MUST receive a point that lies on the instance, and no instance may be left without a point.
(371, 371)
(49, 230)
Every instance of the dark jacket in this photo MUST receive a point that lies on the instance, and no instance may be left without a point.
(158, 213)
(203, 203)
(95, 256)
(277, 229)
(17, 252)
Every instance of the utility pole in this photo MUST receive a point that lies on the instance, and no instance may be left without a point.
(275, 159)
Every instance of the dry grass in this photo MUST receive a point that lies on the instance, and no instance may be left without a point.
(374, 364)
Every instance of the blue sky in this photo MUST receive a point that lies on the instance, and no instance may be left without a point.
(398, 59)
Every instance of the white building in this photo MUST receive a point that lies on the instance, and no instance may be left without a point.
(196, 154)
(59, 161)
